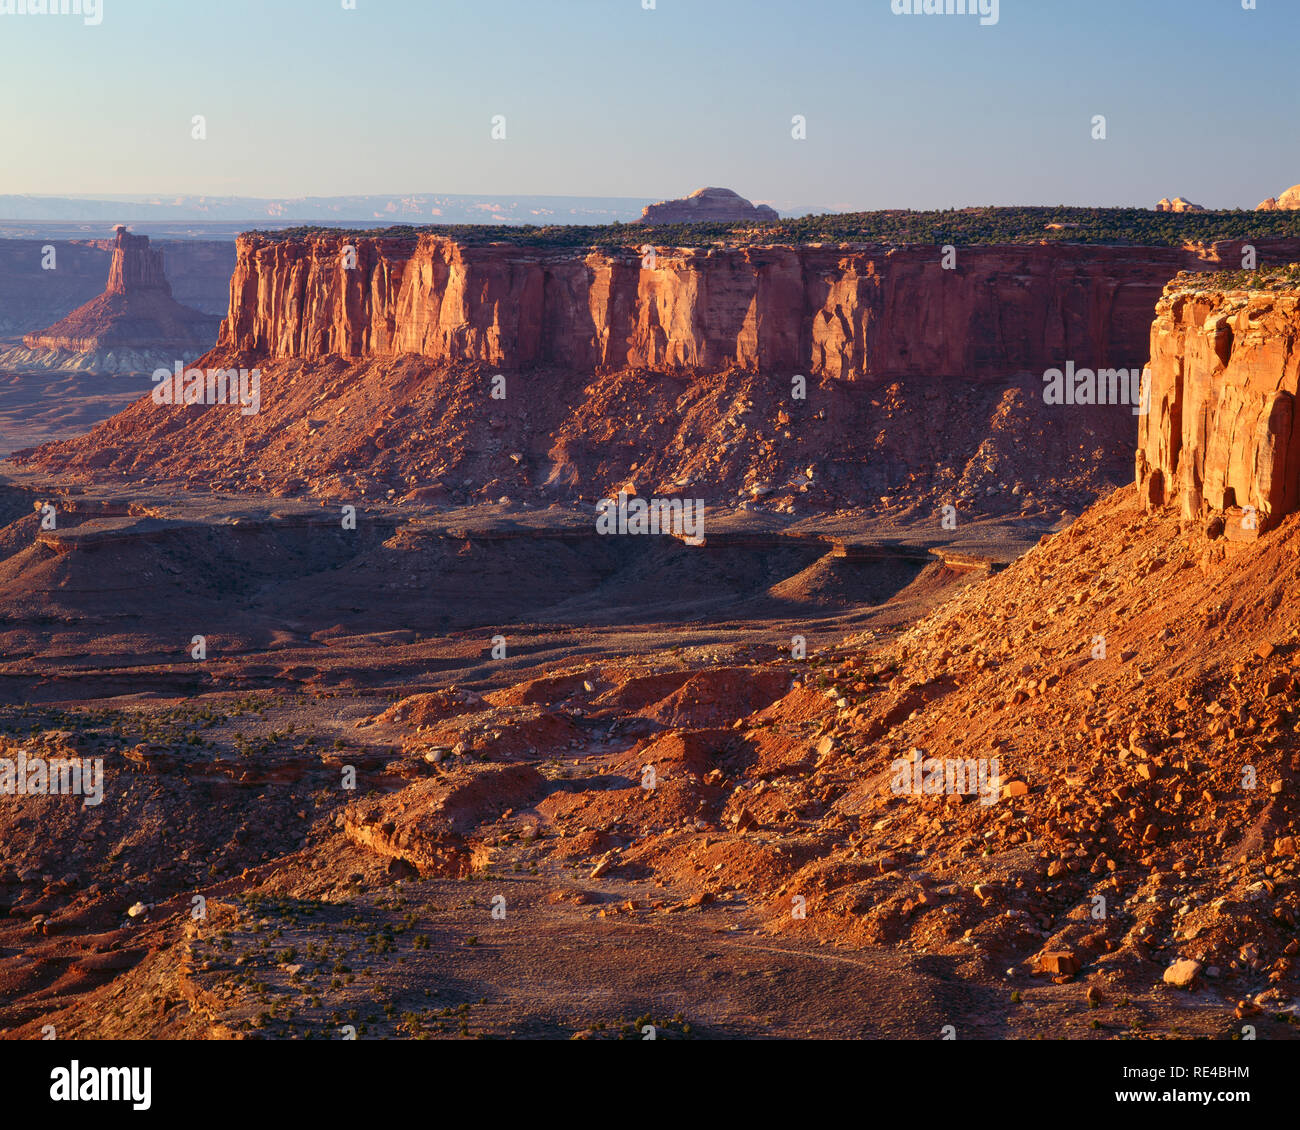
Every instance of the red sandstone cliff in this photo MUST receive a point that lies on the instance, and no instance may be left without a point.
(841, 312)
(1220, 437)
(375, 377)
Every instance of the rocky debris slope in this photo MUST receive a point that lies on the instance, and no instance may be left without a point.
(1134, 684)
(1220, 440)
(135, 316)
(85, 888)
(433, 433)
(707, 205)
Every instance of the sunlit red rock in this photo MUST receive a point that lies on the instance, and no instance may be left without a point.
(848, 312)
(1219, 437)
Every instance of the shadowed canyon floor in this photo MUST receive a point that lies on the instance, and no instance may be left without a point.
(40, 406)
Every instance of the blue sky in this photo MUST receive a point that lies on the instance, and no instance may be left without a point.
(605, 98)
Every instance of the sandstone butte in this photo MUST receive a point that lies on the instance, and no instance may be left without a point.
(1178, 204)
(707, 205)
(1288, 200)
(842, 312)
(1220, 437)
(136, 310)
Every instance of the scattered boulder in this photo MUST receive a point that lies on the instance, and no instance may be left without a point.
(1182, 974)
(1059, 962)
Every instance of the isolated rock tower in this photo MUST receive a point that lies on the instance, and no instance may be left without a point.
(135, 266)
(136, 311)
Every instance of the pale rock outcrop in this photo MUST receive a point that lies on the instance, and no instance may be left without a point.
(1290, 199)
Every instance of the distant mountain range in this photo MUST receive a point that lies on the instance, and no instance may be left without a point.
(233, 213)
(422, 208)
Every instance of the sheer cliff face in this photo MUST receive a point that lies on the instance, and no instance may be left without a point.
(1220, 436)
(846, 313)
(136, 267)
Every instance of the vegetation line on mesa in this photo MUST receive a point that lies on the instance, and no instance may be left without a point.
(968, 226)
(1279, 278)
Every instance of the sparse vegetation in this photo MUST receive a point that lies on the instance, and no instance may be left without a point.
(1264, 279)
(968, 226)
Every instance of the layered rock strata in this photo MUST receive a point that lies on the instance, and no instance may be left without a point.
(844, 312)
(1220, 438)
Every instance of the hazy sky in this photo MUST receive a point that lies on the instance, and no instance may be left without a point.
(603, 97)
